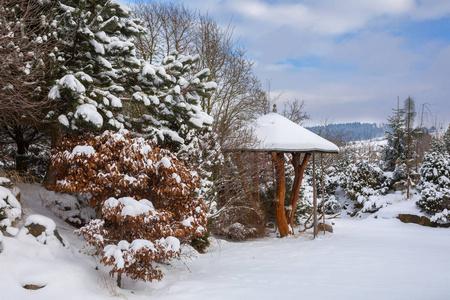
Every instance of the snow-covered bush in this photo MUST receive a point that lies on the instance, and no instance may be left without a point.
(331, 205)
(435, 184)
(10, 207)
(364, 181)
(74, 209)
(332, 178)
(133, 236)
(120, 172)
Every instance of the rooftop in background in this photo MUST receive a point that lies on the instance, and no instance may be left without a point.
(273, 132)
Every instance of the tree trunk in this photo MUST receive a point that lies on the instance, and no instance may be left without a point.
(299, 172)
(119, 280)
(283, 227)
(22, 159)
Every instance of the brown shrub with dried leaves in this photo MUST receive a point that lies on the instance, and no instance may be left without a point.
(120, 173)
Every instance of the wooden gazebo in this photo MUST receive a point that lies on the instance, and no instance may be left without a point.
(272, 133)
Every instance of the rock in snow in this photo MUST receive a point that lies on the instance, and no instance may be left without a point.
(42, 228)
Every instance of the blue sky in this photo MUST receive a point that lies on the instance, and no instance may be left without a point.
(347, 59)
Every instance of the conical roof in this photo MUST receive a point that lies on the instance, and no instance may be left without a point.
(273, 132)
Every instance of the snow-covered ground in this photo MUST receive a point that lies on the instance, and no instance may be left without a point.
(368, 258)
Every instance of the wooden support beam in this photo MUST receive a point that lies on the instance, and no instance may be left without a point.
(299, 170)
(283, 227)
(314, 195)
(322, 179)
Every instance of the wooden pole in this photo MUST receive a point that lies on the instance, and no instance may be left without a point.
(314, 195)
(299, 172)
(322, 179)
(282, 224)
(295, 161)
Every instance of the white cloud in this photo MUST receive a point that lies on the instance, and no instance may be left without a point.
(322, 17)
(357, 33)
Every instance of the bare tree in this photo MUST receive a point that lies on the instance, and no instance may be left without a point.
(295, 111)
(148, 44)
(170, 27)
(239, 96)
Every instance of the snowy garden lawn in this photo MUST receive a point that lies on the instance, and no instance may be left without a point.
(363, 259)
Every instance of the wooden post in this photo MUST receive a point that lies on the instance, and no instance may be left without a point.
(299, 172)
(314, 195)
(283, 227)
(295, 161)
(322, 179)
(408, 141)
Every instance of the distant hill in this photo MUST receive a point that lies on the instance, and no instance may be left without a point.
(347, 132)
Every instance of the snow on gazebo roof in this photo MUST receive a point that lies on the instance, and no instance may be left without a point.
(273, 132)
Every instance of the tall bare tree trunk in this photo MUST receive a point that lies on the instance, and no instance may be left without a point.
(283, 227)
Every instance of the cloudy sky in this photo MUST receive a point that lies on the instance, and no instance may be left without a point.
(347, 59)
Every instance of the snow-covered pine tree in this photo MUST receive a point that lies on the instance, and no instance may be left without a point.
(171, 94)
(394, 151)
(168, 101)
(205, 155)
(103, 84)
(95, 58)
(435, 183)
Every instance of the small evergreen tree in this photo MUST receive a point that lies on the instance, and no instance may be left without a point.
(395, 148)
(365, 180)
(435, 183)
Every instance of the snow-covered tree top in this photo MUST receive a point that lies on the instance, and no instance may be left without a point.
(273, 132)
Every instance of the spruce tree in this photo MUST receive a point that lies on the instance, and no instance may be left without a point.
(395, 148)
(96, 57)
(102, 83)
(411, 135)
(171, 95)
